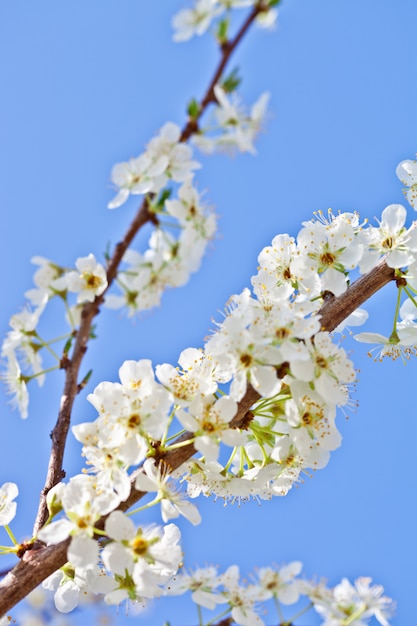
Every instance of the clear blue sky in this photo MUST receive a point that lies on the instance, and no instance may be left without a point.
(87, 84)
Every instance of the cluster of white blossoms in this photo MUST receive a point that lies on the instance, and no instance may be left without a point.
(196, 21)
(232, 127)
(165, 158)
(218, 595)
(270, 342)
(183, 227)
(133, 563)
(23, 343)
(344, 605)
(169, 260)
(141, 563)
(270, 347)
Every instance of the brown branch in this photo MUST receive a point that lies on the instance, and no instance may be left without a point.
(227, 51)
(34, 567)
(55, 472)
(336, 310)
(38, 563)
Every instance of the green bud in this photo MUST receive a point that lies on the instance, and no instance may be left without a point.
(222, 30)
(193, 109)
(232, 82)
(67, 346)
(85, 380)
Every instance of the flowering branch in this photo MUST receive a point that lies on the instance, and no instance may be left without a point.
(55, 472)
(227, 50)
(336, 310)
(39, 562)
(286, 377)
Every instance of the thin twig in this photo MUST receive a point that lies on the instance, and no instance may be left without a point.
(227, 50)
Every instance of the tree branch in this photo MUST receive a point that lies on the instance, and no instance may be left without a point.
(336, 310)
(38, 563)
(55, 472)
(227, 50)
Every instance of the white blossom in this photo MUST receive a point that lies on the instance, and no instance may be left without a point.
(138, 176)
(280, 582)
(402, 344)
(16, 383)
(8, 492)
(173, 503)
(202, 582)
(88, 281)
(235, 128)
(407, 173)
(190, 22)
(392, 239)
(360, 602)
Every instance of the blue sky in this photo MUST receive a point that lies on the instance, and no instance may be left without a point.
(86, 85)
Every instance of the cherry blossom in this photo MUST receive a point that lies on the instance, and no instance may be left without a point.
(407, 173)
(137, 176)
(190, 22)
(8, 492)
(392, 239)
(89, 281)
(354, 604)
(403, 344)
(173, 503)
(16, 385)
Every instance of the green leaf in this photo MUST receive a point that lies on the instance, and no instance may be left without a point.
(232, 82)
(158, 205)
(222, 31)
(193, 109)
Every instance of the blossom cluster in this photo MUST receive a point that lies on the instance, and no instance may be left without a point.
(169, 259)
(232, 128)
(139, 561)
(196, 21)
(270, 341)
(248, 602)
(165, 167)
(343, 605)
(144, 276)
(23, 343)
(165, 158)
(271, 344)
(168, 262)
(270, 347)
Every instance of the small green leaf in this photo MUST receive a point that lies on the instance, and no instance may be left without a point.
(67, 346)
(193, 109)
(232, 82)
(85, 380)
(158, 206)
(107, 252)
(222, 30)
